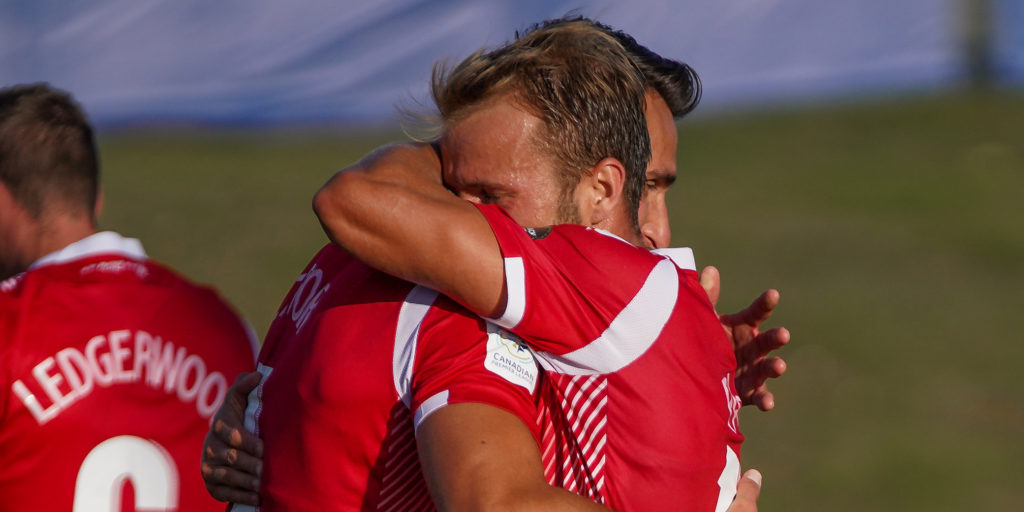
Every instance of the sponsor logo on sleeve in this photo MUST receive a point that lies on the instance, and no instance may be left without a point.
(509, 358)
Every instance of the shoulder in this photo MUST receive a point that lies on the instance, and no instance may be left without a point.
(195, 301)
(8, 305)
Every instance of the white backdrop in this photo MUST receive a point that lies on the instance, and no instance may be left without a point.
(244, 61)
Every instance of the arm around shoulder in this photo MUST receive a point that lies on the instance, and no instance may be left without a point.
(478, 457)
(392, 211)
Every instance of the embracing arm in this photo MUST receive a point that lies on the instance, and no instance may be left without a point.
(392, 211)
(480, 457)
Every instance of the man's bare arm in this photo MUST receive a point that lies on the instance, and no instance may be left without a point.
(392, 211)
(479, 457)
(460, 445)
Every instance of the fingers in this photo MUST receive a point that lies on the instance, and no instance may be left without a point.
(750, 384)
(218, 454)
(758, 311)
(711, 281)
(772, 339)
(228, 427)
(238, 393)
(231, 465)
(747, 492)
(763, 399)
(771, 368)
(763, 343)
(226, 477)
(228, 493)
(229, 422)
(230, 475)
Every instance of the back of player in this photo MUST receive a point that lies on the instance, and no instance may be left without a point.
(639, 405)
(354, 361)
(112, 367)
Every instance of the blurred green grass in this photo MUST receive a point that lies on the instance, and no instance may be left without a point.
(893, 230)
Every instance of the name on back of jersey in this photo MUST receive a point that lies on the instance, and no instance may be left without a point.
(119, 358)
(309, 289)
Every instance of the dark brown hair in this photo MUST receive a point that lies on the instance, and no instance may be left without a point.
(47, 151)
(676, 82)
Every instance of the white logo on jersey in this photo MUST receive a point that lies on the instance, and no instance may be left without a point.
(734, 404)
(8, 284)
(509, 358)
(307, 296)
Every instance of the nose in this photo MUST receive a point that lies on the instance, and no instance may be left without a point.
(656, 229)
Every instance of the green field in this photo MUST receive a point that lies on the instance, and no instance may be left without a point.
(892, 229)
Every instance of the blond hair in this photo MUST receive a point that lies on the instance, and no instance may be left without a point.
(579, 81)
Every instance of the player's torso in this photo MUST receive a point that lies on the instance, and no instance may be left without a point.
(111, 374)
(639, 370)
(330, 414)
(654, 434)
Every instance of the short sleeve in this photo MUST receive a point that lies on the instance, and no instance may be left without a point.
(462, 359)
(581, 297)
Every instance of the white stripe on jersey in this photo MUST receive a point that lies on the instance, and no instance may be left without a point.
(414, 310)
(630, 334)
(401, 484)
(728, 480)
(515, 292)
(574, 438)
(682, 256)
(253, 411)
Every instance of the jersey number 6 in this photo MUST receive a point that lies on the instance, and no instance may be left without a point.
(144, 462)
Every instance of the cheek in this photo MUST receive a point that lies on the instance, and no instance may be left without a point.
(658, 204)
(644, 211)
(531, 211)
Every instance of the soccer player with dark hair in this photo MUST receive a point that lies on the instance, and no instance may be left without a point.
(113, 364)
(472, 100)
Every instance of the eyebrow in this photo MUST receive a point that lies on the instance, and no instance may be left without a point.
(663, 175)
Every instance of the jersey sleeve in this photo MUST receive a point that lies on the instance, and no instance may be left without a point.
(586, 300)
(462, 359)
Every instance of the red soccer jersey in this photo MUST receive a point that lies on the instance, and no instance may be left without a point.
(352, 364)
(639, 406)
(112, 367)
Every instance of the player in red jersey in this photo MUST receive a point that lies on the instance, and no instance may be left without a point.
(661, 173)
(356, 360)
(353, 363)
(113, 364)
(639, 364)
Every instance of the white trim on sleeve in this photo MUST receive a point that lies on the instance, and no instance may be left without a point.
(515, 290)
(630, 334)
(414, 309)
(428, 407)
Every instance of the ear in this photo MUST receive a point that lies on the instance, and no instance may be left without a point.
(600, 195)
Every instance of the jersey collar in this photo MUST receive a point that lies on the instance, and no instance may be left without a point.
(681, 256)
(104, 242)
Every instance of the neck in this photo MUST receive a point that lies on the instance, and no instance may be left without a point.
(57, 232)
(620, 226)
